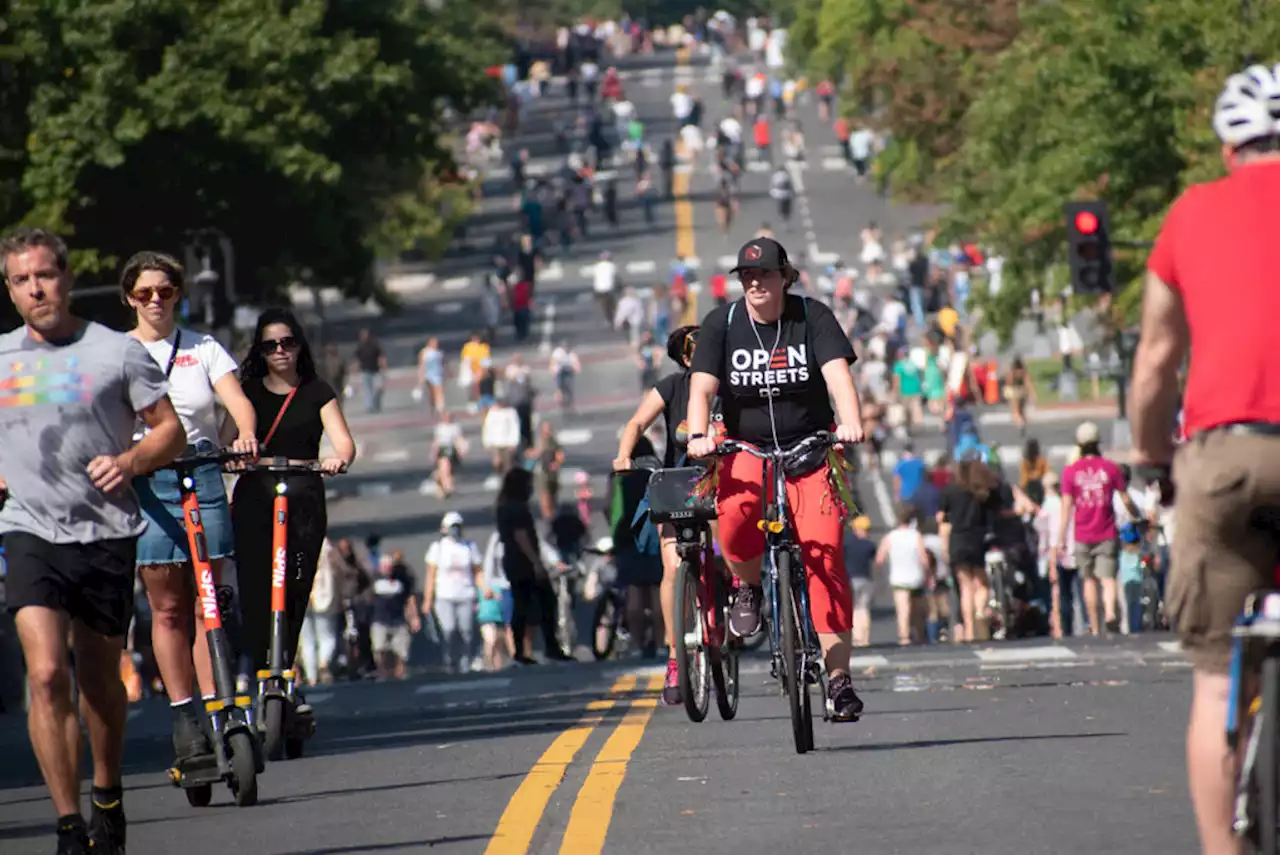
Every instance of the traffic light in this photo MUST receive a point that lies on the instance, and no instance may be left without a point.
(1089, 247)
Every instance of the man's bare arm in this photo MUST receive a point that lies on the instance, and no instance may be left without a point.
(1161, 349)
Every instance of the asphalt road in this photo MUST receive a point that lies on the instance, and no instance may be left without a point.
(1013, 748)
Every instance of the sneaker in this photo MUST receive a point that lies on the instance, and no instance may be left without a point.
(189, 739)
(671, 688)
(558, 655)
(107, 830)
(73, 839)
(843, 703)
(744, 616)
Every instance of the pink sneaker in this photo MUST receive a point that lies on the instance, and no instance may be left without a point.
(671, 689)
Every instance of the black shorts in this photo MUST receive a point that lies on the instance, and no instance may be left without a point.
(91, 582)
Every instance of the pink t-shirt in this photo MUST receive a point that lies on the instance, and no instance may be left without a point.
(1091, 482)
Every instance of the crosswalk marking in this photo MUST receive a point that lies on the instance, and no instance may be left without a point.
(391, 455)
(574, 436)
(726, 262)
(637, 267)
(834, 164)
(1024, 654)
(483, 684)
(409, 283)
(456, 283)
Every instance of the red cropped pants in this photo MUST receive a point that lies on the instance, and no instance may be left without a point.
(816, 521)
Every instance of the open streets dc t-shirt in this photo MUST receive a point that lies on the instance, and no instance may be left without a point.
(789, 373)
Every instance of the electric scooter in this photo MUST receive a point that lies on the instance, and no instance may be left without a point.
(237, 755)
(284, 718)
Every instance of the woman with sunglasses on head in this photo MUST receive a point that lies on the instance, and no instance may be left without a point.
(201, 375)
(294, 409)
(669, 397)
(780, 364)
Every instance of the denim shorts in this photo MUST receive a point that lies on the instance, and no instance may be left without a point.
(165, 539)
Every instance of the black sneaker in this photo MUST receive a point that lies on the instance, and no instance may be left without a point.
(744, 616)
(73, 838)
(189, 740)
(843, 703)
(107, 830)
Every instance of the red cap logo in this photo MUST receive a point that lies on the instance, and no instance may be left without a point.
(751, 253)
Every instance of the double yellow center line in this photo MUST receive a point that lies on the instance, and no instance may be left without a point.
(593, 808)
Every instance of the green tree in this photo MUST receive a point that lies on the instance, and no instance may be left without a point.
(1095, 99)
(309, 131)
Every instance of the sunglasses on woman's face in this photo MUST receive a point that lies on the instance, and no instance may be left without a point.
(288, 344)
(146, 295)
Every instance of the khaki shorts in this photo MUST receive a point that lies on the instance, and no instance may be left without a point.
(1097, 560)
(388, 638)
(1219, 557)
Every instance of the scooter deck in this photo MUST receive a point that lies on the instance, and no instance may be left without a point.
(196, 772)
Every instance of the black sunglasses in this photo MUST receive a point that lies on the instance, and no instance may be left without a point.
(269, 346)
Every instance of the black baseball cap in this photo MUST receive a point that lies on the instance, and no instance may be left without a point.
(761, 254)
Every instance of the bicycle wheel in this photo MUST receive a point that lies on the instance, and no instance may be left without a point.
(1267, 771)
(566, 627)
(793, 681)
(723, 657)
(1150, 604)
(604, 627)
(691, 651)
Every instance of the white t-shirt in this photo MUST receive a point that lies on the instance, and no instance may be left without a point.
(455, 562)
(681, 104)
(447, 434)
(561, 359)
(860, 144)
(624, 109)
(201, 362)
(604, 277)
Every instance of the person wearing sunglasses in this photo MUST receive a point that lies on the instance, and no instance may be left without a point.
(780, 364)
(294, 409)
(669, 398)
(201, 375)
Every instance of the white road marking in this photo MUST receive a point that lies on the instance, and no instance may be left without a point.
(463, 686)
(684, 168)
(574, 436)
(1024, 654)
(391, 455)
(835, 164)
(587, 271)
(759, 166)
(1170, 646)
(409, 283)
(834, 150)
(585, 297)
(374, 489)
(456, 283)
(820, 257)
(637, 267)
(693, 262)
(449, 308)
(868, 661)
(548, 326)
(492, 483)
(551, 273)
(727, 262)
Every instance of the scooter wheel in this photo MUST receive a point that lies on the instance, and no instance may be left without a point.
(293, 747)
(244, 772)
(273, 720)
(200, 796)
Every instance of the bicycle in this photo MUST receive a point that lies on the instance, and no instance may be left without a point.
(705, 653)
(796, 655)
(1000, 602)
(1152, 596)
(1257, 634)
(286, 722)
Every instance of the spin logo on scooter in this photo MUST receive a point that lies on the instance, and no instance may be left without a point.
(277, 568)
(209, 596)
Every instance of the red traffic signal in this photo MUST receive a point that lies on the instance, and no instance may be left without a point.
(1086, 222)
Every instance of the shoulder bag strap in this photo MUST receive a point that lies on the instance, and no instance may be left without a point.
(173, 357)
(280, 415)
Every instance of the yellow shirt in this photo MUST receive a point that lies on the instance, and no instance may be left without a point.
(948, 319)
(473, 353)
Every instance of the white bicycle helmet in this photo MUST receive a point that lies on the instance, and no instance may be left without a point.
(1249, 106)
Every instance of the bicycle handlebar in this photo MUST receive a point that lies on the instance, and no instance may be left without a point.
(821, 438)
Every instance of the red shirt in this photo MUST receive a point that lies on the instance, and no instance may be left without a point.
(1217, 249)
(719, 286)
(762, 133)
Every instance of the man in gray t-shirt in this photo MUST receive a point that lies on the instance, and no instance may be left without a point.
(70, 395)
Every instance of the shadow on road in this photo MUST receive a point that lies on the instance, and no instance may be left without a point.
(413, 845)
(980, 740)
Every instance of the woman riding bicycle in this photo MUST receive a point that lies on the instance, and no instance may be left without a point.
(669, 398)
(779, 361)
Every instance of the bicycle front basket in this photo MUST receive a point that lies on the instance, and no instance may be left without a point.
(671, 497)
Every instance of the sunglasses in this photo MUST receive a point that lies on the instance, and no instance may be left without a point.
(288, 344)
(164, 292)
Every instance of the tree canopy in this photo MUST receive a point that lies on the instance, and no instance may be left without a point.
(308, 131)
(1005, 110)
